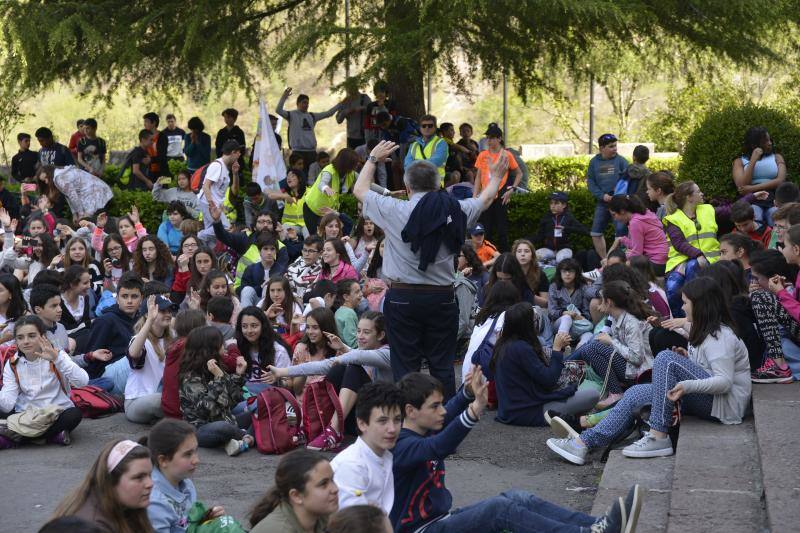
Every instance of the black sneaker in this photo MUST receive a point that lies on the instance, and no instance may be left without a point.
(632, 506)
(612, 521)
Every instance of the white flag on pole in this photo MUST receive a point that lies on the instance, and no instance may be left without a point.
(268, 166)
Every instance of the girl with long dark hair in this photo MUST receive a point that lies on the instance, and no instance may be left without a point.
(526, 377)
(711, 379)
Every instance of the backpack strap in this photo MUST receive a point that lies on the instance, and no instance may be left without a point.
(13, 363)
(491, 329)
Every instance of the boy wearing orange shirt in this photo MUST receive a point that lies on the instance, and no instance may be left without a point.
(486, 251)
(495, 219)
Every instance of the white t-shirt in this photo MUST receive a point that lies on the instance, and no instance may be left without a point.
(147, 379)
(217, 173)
(363, 477)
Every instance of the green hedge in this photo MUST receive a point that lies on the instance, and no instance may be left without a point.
(712, 147)
(569, 173)
(525, 212)
(547, 174)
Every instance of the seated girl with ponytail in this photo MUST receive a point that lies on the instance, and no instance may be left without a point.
(625, 347)
(691, 227)
(38, 378)
(301, 500)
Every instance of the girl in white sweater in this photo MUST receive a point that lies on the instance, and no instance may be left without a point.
(711, 379)
(39, 377)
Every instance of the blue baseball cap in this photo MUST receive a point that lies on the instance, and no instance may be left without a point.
(477, 230)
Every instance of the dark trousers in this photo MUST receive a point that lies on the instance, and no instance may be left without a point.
(422, 324)
(495, 221)
(309, 156)
(311, 220)
(354, 143)
(351, 377)
(665, 339)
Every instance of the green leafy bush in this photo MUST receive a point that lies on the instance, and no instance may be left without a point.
(526, 210)
(569, 173)
(712, 147)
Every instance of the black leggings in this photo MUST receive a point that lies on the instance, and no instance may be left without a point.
(664, 339)
(351, 377)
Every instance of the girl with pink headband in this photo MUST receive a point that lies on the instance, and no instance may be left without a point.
(116, 491)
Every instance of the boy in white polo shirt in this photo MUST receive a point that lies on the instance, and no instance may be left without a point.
(363, 471)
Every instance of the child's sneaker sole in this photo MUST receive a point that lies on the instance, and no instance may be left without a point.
(781, 381)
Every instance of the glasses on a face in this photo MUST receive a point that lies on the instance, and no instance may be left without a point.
(310, 251)
(114, 248)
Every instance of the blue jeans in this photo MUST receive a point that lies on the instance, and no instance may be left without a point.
(764, 215)
(600, 220)
(516, 511)
(254, 389)
(118, 373)
(675, 282)
(424, 326)
(107, 384)
(791, 352)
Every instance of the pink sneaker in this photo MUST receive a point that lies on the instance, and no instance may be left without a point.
(326, 441)
(770, 372)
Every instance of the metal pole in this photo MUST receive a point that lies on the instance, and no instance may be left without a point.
(505, 108)
(591, 112)
(430, 91)
(347, 37)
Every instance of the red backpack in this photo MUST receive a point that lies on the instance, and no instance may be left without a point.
(274, 432)
(94, 402)
(199, 176)
(320, 401)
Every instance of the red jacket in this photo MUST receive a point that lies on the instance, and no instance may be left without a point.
(170, 388)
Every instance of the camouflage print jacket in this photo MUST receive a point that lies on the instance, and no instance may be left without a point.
(204, 401)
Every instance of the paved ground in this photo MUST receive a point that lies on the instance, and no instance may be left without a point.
(494, 458)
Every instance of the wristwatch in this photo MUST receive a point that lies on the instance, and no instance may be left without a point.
(372, 159)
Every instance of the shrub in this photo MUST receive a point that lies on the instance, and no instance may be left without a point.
(526, 210)
(712, 147)
(567, 173)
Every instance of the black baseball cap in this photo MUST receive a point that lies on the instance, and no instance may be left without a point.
(559, 196)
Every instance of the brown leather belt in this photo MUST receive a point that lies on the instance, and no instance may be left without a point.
(421, 287)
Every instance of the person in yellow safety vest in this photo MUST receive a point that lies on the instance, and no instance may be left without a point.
(335, 179)
(291, 194)
(429, 147)
(244, 244)
(691, 228)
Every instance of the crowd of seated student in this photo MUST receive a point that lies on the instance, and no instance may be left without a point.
(183, 325)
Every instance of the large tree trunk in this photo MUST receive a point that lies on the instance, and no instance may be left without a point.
(406, 81)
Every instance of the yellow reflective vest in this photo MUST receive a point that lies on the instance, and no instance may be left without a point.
(417, 152)
(293, 213)
(702, 234)
(315, 199)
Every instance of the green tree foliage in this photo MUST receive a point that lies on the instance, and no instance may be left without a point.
(686, 108)
(197, 45)
(717, 141)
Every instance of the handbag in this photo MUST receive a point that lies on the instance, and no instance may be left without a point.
(482, 355)
(571, 374)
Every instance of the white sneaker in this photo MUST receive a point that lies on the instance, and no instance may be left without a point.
(235, 447)
(649, 446)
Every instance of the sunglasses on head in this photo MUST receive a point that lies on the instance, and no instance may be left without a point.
(608, 138)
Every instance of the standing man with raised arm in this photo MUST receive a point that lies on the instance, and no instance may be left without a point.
(302, 139)
(423, 236)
